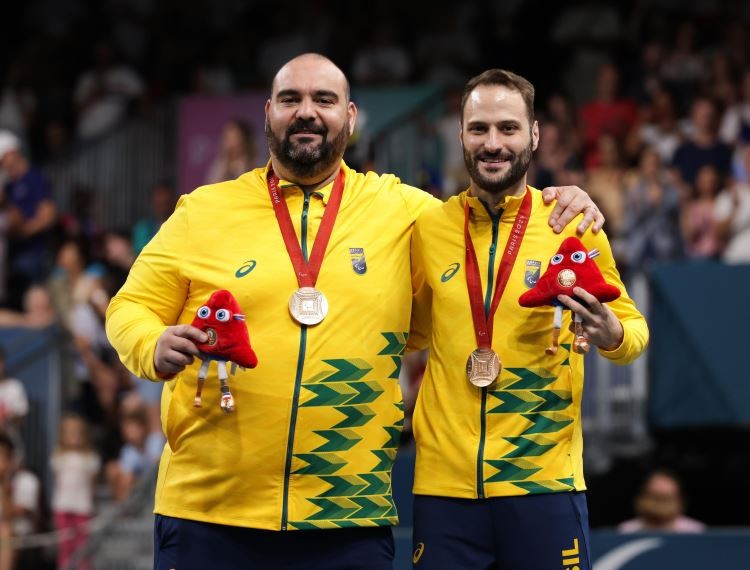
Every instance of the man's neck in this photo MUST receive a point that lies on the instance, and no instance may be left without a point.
(704, 138)
(306, 184)
(493, 199)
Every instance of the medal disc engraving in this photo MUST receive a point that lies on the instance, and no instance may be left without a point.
(212, 336)
(483, 367)
(566, 278)
(308, 306)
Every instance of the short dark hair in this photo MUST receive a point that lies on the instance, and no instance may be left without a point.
(505, 78)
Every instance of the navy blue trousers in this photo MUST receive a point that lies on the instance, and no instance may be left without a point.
(181, 544)
(529, 532)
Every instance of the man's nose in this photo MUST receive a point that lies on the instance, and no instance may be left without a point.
(493, 141)
(306, 109)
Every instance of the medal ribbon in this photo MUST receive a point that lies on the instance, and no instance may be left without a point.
(483, 324)
(306, 271)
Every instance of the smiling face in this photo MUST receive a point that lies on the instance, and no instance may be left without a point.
(497, 139)
(309, 118)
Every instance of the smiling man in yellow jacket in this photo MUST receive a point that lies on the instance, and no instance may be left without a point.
(310, 445)
(499, 478)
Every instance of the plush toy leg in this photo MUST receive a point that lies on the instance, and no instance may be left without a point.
(551, 350)
(227, 401)
(202, 373)
(581, 343)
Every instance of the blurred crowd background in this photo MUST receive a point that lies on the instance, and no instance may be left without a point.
(644, 104)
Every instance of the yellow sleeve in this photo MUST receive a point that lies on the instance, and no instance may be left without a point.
(635, 328)
(421, 305)
(416, 200)
(152, 297)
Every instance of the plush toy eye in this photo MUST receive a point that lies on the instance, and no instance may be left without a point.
(222, 315)
(556, 259)
(204, 312)
(578, 256)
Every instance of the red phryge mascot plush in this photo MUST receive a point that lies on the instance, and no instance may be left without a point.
(572, 266)
(228, 341)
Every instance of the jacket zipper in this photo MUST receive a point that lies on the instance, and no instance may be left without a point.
(297, 380)
(487, 304)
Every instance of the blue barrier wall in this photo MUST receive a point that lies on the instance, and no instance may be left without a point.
(699, 324)
(714, 550)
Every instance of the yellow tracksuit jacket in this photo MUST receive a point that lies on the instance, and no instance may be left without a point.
(522, 434)
(314, 434)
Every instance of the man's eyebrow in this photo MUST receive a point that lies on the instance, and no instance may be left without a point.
(287, 93)
(318, 93)
(326, 93)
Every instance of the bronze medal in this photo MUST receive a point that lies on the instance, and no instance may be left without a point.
(483, 367)
(566, 278)
(308, 306)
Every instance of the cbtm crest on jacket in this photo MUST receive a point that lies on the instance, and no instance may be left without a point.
(532, 272)
(359, 263)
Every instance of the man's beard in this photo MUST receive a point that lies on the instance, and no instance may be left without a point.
(519, 165)
(307, 161)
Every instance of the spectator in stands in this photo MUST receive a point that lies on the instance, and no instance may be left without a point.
(453, 169)
(29, 195)
(162, 205)
(651, 228)
(659, 128)
(446, 49)
(75, 466)
(20, 489)
(236, 153)
(118, 259)
(550, 157)
(212, 75)
(648, 80)
(38, 310)
(14, 404)
(660, 507)
(735, 128)
(141, 451)
(78, 294)
(382, 59)
(732, 218)
(720, 83)
(683, 66)
(703, 146)
(80, 222)
(608, 114)
(588, 31)
(104, 93)
(736, 42)
(17, 100)
(559, 110)
(698, 223)
(6, 535)
(5, 221)
(80, 299)
(286, 39)
(606, 182)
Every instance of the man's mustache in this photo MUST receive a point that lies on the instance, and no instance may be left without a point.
(307, 128)
(494, 156)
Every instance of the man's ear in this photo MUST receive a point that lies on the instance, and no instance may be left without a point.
(351, 111)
